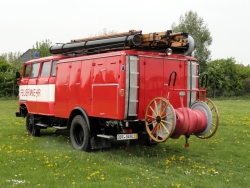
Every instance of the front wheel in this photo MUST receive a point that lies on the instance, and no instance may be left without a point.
(79, 134)
(30, 125)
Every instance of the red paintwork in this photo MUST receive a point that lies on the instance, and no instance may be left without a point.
(189, 122)
(95, 83)
(43, 108)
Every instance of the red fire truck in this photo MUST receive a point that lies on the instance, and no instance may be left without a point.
(120, 86)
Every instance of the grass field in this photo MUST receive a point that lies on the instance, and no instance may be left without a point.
(50, 161)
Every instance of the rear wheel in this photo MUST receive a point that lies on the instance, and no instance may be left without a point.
(79, 134)
(30, 125)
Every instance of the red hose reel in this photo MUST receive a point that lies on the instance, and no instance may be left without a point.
(163, 121)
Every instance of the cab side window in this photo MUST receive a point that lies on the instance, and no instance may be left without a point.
(53, 72)
(27, 71)
(34, 70)
(45, 69)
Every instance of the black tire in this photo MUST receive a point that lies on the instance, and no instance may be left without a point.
(30, 125)
(79, 134)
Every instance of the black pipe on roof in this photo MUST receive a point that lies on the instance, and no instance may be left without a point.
(115, 42)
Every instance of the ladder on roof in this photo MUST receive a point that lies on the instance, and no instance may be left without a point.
(133, 39)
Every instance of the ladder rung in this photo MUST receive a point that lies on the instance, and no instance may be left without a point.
(132, 114)
(133, 100)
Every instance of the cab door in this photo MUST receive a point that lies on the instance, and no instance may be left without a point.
(43, 91)
(31, 91)
(23, 83)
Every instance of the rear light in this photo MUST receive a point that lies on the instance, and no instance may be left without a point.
(127, 131)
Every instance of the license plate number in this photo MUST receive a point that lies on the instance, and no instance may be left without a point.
(127, 136)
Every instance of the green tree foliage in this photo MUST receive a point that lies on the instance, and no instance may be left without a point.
(195, 26)
(247, 79)
(42, 48)
(12, 57)
(7, 78)
(10, 63)
(225, 78)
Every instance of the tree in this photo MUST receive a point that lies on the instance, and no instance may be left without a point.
(246, 73)
(12, 57)
(225, 78)
(42, 48)
(7, 77)
(195, 26)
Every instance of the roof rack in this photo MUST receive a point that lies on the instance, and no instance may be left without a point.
(179, 42)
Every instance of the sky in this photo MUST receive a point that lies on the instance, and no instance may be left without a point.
(24, 22)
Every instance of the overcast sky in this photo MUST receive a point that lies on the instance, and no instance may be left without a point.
(23, 22)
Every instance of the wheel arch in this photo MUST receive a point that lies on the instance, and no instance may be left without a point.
(78, 111)
(23, 110)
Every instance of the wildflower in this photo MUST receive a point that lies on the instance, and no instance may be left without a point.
(173, 158)
(181, 158)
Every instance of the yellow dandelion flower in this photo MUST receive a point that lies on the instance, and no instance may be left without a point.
(181, 158)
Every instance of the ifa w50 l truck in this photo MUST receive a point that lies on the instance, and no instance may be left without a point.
(120, 86)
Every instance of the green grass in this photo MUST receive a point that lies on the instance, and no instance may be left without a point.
(50, 161)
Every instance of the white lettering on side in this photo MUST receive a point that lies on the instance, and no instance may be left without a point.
(41, 93)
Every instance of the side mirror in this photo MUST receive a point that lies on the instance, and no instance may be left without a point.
(18, 76)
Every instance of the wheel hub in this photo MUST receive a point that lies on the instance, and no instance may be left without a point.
(158, 119)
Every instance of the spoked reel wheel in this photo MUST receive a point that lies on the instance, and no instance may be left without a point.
(160, 119)
(215, 120)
